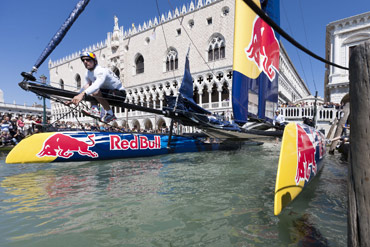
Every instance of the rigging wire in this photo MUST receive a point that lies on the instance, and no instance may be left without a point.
(164, 34)
(305, 33)
(205, 62)
(290, 30)
(73, 111)
(191, 40)
(173, 71)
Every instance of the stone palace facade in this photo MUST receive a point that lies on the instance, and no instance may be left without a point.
(341, 37)
(149, 59)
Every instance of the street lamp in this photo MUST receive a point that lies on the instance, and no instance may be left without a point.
(43, 81)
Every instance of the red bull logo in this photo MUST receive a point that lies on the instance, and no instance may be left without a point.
(64, 146)
(306, 156)
(139, 142)
(322, 148)
(264, 49)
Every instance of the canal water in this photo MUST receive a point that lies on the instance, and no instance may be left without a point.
(219, 198)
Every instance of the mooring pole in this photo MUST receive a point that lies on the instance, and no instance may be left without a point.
(341, 122)
(359, 167)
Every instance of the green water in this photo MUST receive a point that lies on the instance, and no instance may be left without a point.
(195, 199)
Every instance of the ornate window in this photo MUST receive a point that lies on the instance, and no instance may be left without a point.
(139, 63)
(191, 23)
(205, 95)
(225, 92)
(78, 82)
(196, 95)
(225, 11)
(216, 49)
(116, 72)
(61, 84)
(214, 94)
(172, 62)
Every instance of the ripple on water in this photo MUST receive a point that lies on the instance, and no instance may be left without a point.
(197, 199)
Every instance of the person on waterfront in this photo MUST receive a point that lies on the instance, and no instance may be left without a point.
(18, 136)
(101, 83)
(6, 138)
(5, 125)
(278, 119)
(20, 124)
(37, 128)
(13, 127)
(346, 129)
(28, 125)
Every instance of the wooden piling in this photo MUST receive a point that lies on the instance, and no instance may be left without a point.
(333, 127)
(341, 122)
(359, 167)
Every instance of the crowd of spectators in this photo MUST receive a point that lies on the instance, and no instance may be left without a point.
(114, 127)
(14, 129)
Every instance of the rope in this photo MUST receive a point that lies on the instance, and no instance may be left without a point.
(269, 21)
(73, 110)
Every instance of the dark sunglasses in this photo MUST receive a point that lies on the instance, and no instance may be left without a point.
(87, 60)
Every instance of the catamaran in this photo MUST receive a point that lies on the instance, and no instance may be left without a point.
(254, 100)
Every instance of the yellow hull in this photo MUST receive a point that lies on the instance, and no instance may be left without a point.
(302, 149)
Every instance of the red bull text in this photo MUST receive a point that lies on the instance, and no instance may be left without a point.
(139, 142)
(60, 145)
(264, 49)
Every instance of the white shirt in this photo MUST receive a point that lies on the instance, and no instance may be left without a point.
(101, 78)
(28, 123)
(279, 119)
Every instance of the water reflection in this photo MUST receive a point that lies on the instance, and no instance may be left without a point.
(31, 192)
(27, 191)
(195, 199)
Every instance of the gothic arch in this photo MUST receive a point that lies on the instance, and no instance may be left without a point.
(205, 94)
(216, 47)
(135, 125)
(161, 123)
(78, 81)
(171, 59)
(225, 91)
(148, 125)
(61, 83)
(214, 93)
(139, 64)
(116, 71)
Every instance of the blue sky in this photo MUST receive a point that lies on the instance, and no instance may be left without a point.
(26, 27)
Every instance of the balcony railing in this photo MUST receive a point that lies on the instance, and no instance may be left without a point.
(298, 113)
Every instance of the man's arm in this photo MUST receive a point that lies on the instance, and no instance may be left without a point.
(96, 85)
(77, 99)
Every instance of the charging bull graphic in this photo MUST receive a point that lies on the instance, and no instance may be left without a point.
(264, 48)
(64, 146)
(306, 156)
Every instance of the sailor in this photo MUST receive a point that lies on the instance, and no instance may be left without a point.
(278, 119)
(101, 83)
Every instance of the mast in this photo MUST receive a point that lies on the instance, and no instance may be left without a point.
(315, 111)
(57, 38)
(255, 63)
